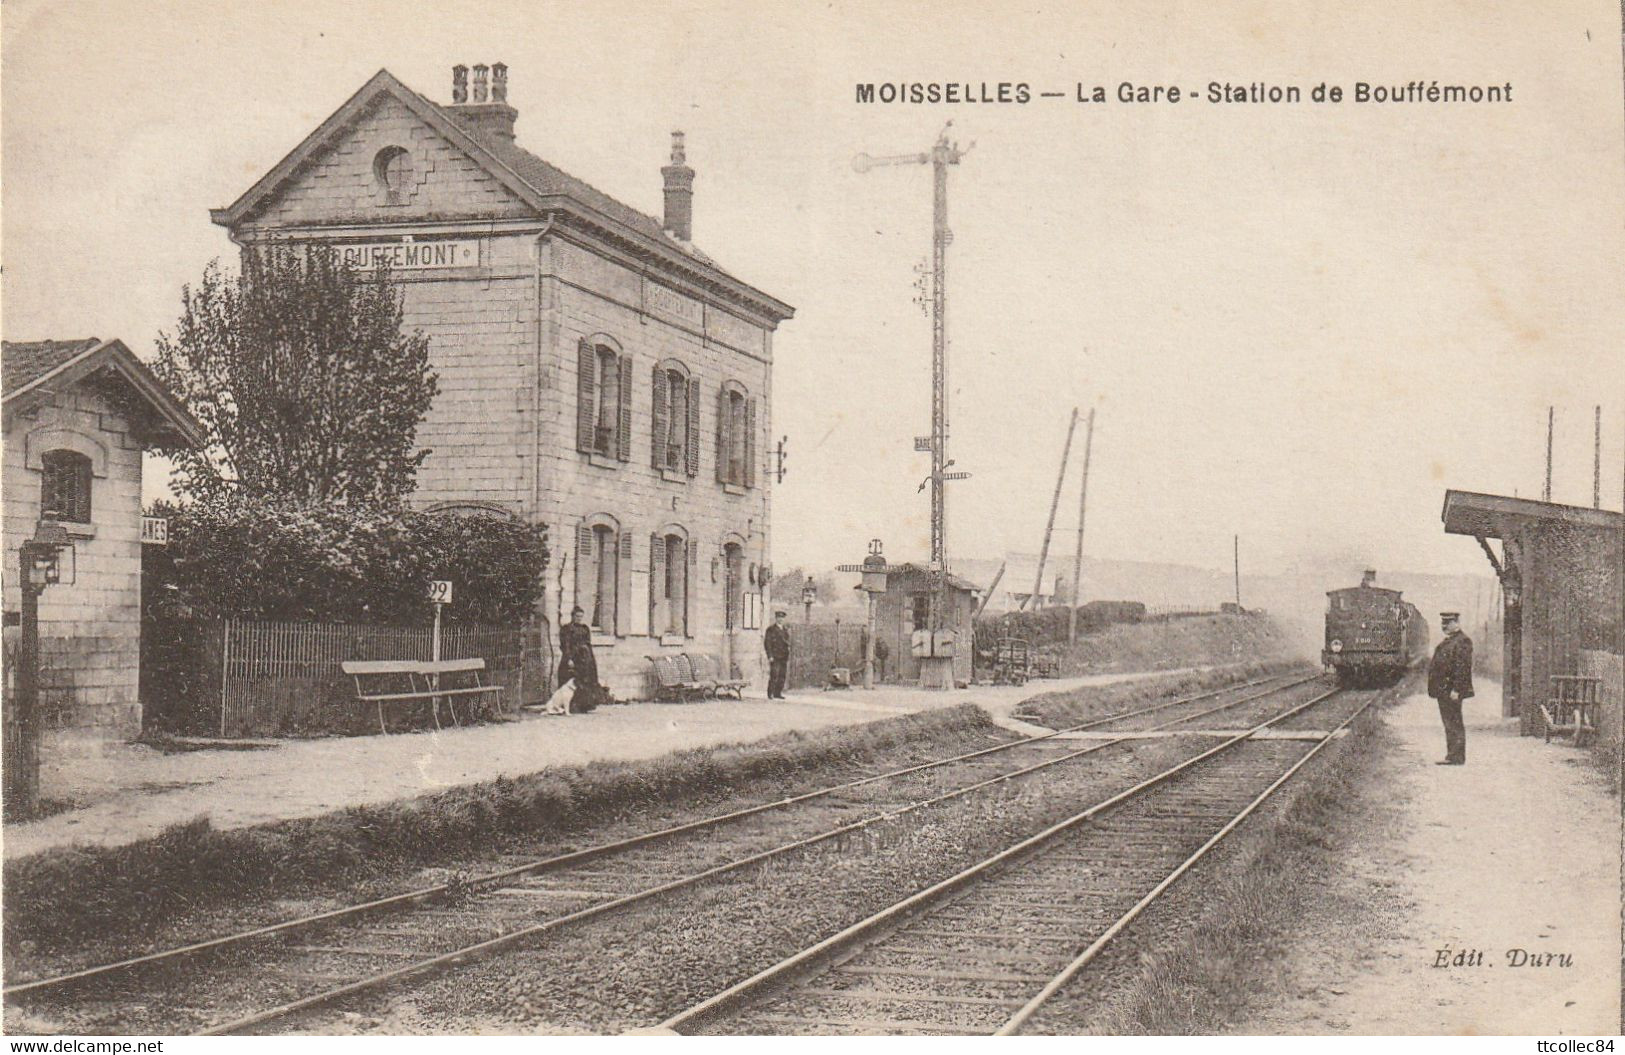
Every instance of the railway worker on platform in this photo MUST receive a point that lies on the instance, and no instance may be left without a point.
(777, 643)
(1450, 680)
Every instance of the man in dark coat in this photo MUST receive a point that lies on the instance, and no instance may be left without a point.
(1450, 680)
(777, 643)
(577, 661)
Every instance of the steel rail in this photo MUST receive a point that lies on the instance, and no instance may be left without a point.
(1014, 1023)
(429, 893)
(779, 972)
(524, 933)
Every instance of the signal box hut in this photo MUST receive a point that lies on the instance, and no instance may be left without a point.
(1560, 571)
(905, 607)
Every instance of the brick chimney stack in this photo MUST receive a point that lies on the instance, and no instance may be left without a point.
(679, 180)
(487, 114)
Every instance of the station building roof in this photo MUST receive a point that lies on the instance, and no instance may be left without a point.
(1496, 516)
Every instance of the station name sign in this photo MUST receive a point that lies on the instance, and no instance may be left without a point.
(410, 256)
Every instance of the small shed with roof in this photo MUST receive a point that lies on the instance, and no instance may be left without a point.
(77, 416)
(905, 607)
(1560, 568)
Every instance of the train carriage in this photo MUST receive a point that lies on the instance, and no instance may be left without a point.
(1372, 634)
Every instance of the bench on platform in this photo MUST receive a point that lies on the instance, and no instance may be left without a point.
(672, 682)
(708, 668)
(404, 681)
(1571, 710)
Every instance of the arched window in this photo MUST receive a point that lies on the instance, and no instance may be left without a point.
(603, 399)
(671, 560)
(675, 419)
(65, 486)
(736, 436)
(602, 554)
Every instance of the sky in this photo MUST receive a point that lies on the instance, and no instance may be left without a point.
(1298, 324)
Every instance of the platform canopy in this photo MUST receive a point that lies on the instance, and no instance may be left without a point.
(1498, 516)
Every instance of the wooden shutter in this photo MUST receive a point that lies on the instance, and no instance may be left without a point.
(583, 556)
(623, 440)
(722, 434)
(659, 418)
(693, 452)
(623, 585)
(586, 382)
(657, 586)
(750, 443)
(693, 553)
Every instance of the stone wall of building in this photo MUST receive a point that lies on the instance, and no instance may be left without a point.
(340, 182)
(90, 629)
(584, 295)
(481, 325)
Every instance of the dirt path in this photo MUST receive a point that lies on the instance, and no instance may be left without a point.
(1513, 858)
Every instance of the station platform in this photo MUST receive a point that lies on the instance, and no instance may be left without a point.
(129, 792)
(1479, 899)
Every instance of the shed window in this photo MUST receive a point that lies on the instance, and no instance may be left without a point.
(65, 486)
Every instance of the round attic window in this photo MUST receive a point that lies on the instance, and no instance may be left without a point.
(392, 168)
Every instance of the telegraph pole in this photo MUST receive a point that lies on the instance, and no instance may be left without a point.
(1238, 572)
(1077, 551)
(942, 154)
(1596, 461)
(1055, 503)
(1546, 495)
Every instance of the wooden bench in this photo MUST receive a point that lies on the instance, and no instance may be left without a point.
(403, 681)
(670, 681)
(1571, 710)
(708, 668)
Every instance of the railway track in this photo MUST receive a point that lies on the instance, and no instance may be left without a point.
(985, 949)
(313, 961)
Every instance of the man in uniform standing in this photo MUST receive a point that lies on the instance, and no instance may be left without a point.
(1450, 680)
(777, 643)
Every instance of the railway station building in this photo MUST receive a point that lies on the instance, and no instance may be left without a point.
(598, 372)
(1561, 569)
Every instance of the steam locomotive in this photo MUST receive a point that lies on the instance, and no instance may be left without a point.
(1372, 635)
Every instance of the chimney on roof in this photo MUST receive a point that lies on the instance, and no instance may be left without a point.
(679, 180)
(1370, 577)
(487, 114)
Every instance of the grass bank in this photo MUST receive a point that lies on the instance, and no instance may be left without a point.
(1215, 950)
(1162, 644)
(64, 896)
(1060, 709)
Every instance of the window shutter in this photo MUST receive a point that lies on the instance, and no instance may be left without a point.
(657, 585)
(586, 369)
(583, 555)
(623, 586)
(662, 409)
(750, 443)
(693, 453)
(722, 434)
(691, 557)
(623, 444)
